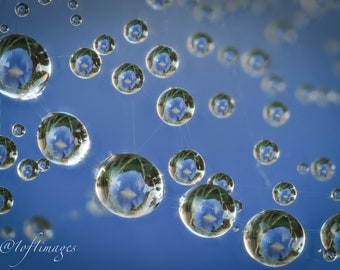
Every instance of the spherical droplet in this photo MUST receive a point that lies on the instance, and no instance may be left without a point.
(200, 44)
(274, 238)
(63, 139)
(44, 2)
(135, 31)
(6, 200)
(323, 169)
(21, 9)
(207, 211)
(222, 180)
(273, 84)
(335, 194)
(276, 113)
(27, 169)
(186, 167)
(284, 193)
(129, 185)
(25, 67)
(43, 164)
(104, 44)
(38, 228)
(4, 28)
(128, 78)
(221, 105)
(8, 152)
(266, 152)
(330, 237)
(281, 32)
(85, 63)
(175, 106)
(7, 232)
(303, 168)
(72, 4)
(304, 93)
(158, 4)
(76, 20)
(228, 55)
(18, 130)
(162, 61)
(255, 62)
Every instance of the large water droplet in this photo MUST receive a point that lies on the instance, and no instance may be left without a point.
(330, 237)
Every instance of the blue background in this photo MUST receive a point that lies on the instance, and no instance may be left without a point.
(121, 123)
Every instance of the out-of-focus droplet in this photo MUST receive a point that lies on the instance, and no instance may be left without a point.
(281, 32)
(304, 93)
(273, 84)
(128, 78)
(8, 152)
(7, 232)
(18, 130)
(200, 44)
(228, 55)
(159, 4)
(6, 200)
(303, 168)
(85, 63)
(38, 228)
(27, 169)
(276, 113)
(255, 62)
(323, 169)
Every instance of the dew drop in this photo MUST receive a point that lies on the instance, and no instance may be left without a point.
(303, 168)
(135, 31)
(21, 9)
(273, 84)
(43, 164)
(266, 152)
(44, 2)
(323, 169)
(222, 180)
(281, 32)
(175, 106)
(38, 228)
(330, 237)
(18, 130)
(158, 4)
(276, 113)
(85, 63)
(335, 194)
(6, 200)
(27, 169)
(284, 193)
(200, 44)
(4, 28)
(104, 44)
(8, 152)
(228, 55)
(76, 20)
(128, 78)
(255, 62)
(221, 105)
(72, 4)
(7, 232)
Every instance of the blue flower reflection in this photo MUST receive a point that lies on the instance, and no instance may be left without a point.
(128, 80)
(175, 109)
(186, 169)
(208, 215)
(3, 154)
(162, 63)
(16, 68)
(60, 142)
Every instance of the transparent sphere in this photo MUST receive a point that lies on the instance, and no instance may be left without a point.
(18, 130)
(335, 194)
(6, 200)
(207, 211)
(21, 9)
(284, 193)
(25, 67)
(104, 44)
(228, 55)
(7, 232)
(76, 20)
(38, 228)
(43, 164)
(222, 180)
(162, 61)
(85, 63)
(323, 169)
(129, 185)
(304, 93)
(158, 4)
(276, 113)
(255, 62)
(303, 168)
(28, 169)
(280, 32)
(8, 152)
(128, 78)
(63, 139)
(186, 167)
(44, 2)
(4, 28)
(273, 84)
(175, 106)
(200, 44)
(266, 152)
(135, 31)
(330, 237)
(72, 4)
(274, 238)
(221, 105)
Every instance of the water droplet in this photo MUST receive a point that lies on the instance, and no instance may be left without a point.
(7, 232)
(85, 63)
(45, 2)
(128, 78)
(222, 180)
(135, 31)
(76, 20)
(273, 84)
(221, 105)
(27, 169)
(6, 200)
(238, 206)
(303, 168)
(304, 92)
(274, 238)
(228, 55)
(104, 44)
(266, 152)
(206, 12)
(276, 113)
(335, 194)
(158, 4)
(21, 9)
(175, 106)
(281, 32)
(43, 164)
(129, 185)
(4, 28)
(38, 228)
(95, 207)
(25, 67)
(200, 44)
(162, 61)
(319, 250)
(330, 237)
(18, 130)
(207, 211)
(236, 229)
(255, 62)
(323, 169)
(186, 167)
(72, 4)
(63, 139)
(284, 193)
(8, 152)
